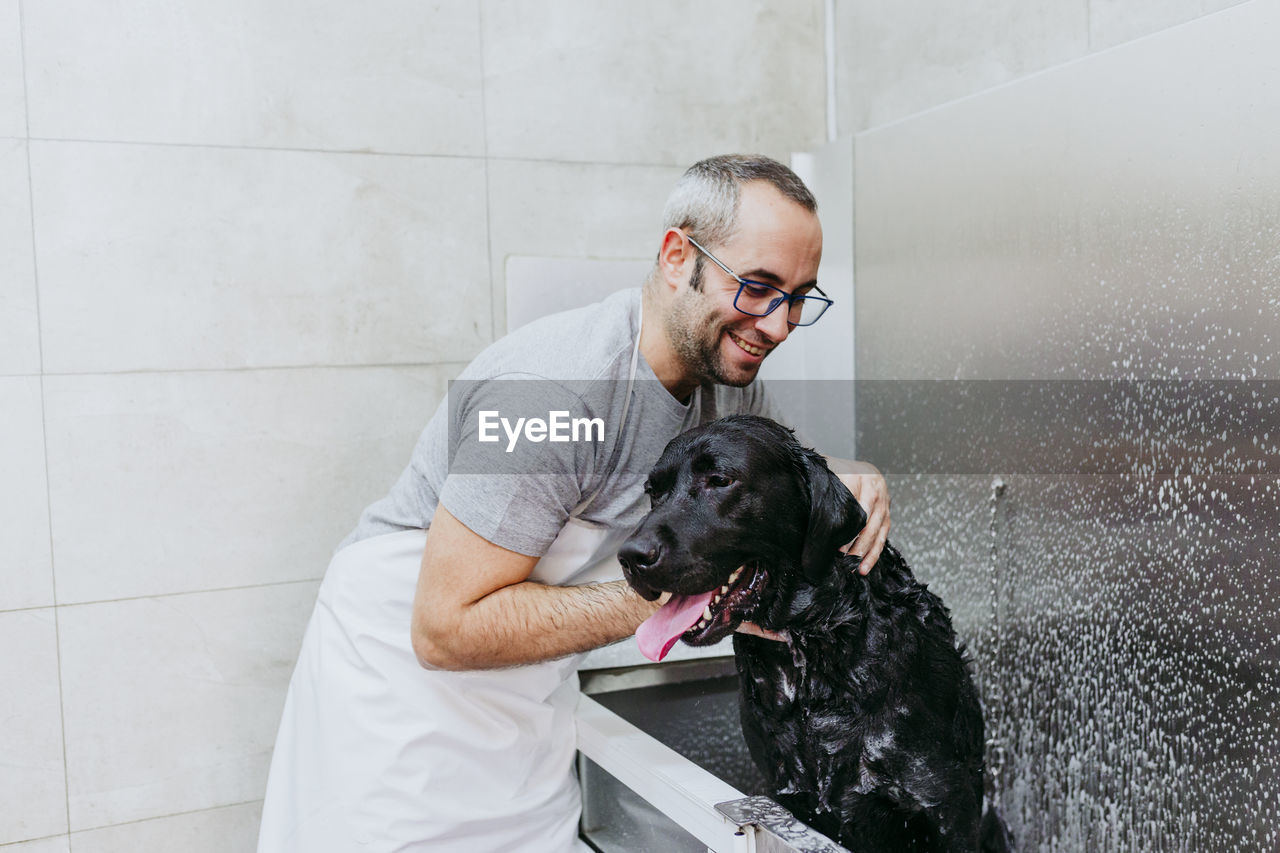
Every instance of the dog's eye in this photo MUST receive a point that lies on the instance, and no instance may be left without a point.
(719, 481)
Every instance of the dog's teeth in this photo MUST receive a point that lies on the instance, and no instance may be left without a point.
(723, 590)
(706, 612)
(733, 577)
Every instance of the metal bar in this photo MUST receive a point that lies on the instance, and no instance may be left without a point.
(776, 829)
(670, 782)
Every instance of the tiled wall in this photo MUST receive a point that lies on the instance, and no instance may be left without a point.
(243, 247)
(895, 59)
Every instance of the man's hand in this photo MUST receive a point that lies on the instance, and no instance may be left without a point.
(756, 631)
(869, 487)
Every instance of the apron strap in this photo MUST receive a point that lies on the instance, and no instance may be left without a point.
(626, 407)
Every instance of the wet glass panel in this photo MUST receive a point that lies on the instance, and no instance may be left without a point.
(1097, 249)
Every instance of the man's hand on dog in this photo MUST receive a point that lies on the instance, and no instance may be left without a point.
(868, 486)
(870, 489)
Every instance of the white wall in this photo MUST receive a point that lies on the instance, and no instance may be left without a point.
(895, 58)
(243, 246)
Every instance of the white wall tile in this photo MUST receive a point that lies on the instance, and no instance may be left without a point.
(895, 59)
(19, 327)
(172, 258)
(1211, 6)
(666, 82)
(180, 482)
(172, 704)
(33, 791)
(233, 829)
(1112, 22)
(385, 75)
(26, 573)
(571, 210)
(13, 109)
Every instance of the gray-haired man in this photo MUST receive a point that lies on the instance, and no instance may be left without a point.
(432, 705)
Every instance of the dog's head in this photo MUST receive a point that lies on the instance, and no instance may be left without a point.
(742, 519)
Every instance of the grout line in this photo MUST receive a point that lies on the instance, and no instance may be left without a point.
(352, 152)
(267, 368)
(44, 421)
(488, 200)
(68, 835)
(14, 844)
(283, 149)
(26, 95)
(160, 595)
(829, 45)
(62, 716)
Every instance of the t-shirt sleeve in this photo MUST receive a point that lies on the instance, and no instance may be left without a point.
(515, 471)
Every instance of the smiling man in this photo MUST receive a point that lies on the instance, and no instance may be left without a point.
(432, 704)
(720, 327)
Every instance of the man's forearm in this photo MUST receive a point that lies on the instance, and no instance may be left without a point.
(529, 622)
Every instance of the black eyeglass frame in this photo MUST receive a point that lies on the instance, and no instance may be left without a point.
(790, 298)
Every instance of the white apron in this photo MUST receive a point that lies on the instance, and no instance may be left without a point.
(376, 753)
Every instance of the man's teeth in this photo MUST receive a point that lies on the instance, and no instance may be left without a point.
(724, 590)
(754, 350)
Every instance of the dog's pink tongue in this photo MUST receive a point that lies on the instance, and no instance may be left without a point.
(657, 634)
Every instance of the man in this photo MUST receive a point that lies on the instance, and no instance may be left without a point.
(433, 700)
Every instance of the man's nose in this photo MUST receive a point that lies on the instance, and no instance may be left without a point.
(774, 325)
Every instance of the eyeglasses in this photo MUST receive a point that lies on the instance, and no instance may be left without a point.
(759, 299)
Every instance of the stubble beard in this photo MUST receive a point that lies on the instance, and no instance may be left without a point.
(694, 333)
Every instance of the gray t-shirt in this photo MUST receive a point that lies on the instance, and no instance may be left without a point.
(518, 494)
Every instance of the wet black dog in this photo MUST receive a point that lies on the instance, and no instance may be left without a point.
(867, 723)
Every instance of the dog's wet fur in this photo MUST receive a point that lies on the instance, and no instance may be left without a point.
(866, 724)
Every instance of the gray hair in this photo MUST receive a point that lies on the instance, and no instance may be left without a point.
(704, 202)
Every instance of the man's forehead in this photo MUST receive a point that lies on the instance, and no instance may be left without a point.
(761, 196)
(766, 216)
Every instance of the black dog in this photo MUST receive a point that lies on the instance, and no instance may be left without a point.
(866, 724)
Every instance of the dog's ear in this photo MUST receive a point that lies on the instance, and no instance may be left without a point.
(835, 518)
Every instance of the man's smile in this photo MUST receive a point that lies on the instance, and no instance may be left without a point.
(750, 349)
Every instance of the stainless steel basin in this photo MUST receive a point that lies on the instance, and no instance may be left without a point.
(664, 767)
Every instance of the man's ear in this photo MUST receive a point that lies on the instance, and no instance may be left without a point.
(675, 258)
(835, 518)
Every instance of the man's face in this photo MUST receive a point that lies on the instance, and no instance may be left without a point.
(777, 242)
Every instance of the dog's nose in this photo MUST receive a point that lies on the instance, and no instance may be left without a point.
(639, 553)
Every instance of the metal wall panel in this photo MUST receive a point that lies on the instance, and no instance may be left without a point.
(1110, 552)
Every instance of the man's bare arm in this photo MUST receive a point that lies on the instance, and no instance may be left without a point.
(476, 609)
